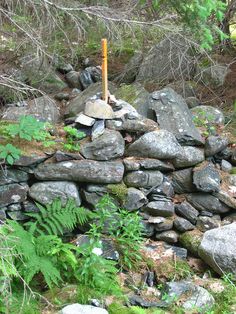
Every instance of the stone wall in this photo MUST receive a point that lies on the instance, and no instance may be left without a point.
(179, 181)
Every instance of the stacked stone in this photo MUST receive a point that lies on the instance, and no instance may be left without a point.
(176, 180)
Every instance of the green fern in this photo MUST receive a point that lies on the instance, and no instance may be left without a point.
(30, 259)
(54, 219)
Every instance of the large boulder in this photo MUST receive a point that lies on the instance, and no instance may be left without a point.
(173, 115)
(143, 178)
(169, 60)
(218, 249)
(42, 108)
(109, 145)
(157, 144)
(213, 75)
(82, 171)
(46, 192)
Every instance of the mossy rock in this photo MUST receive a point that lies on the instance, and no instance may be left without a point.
(191, 240)
(137, 96)
(119, 191)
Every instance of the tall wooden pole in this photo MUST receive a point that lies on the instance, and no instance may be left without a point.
(104, 71)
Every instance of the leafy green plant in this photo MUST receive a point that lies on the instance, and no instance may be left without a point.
(204, 119)
(9, 153)
(28, 128)
(123, 227)
(55, 218)
(72, 138)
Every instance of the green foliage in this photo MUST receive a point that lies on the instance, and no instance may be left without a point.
(95, 271)
(72, 138)
(9, 153)
(28, 128)
(199, 16)
(115, 308)
(119, 191)
(205, 119)
(124, 228)
(55, 218)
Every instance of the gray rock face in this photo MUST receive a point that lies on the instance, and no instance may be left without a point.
(146, 178)
(182, 224)
(29, 161)
(206, 178)
(157, 144)
(164, 208)
(207, 202)
(198, 297)
(189, 156)
(95, 72)
(82, 171)
(13, 193)
(46, 192)
(184, 88)
(137, 96)
(165, 189)
(187, 211)
(85, 78)
(135, 199)
(43, 108)
(182, 181)
(213, 75)
(132, 163)
(77, 308)
(226, 166)
(109, 145)
(218, 249)
(205, 223)
(210, 114)
(167, 69)
(12, 176)
(92, 194)
(167, 236)
(173, 115)
(164, 225)
(72, 78)
(140, 125)
(225, 198)
(215, 144)
(3, 216)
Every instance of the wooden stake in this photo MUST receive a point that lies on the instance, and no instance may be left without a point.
(104, 71)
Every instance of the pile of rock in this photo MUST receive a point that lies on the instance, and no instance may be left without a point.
(179, 182)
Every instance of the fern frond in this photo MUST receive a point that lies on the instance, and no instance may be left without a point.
(55, 218)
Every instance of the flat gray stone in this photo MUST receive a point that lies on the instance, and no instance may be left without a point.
(143, 178)
(173, 115)
(206, 178)
(85, 120)
(189, 156)
(82, 171)
(205, 223)
(46, 192)
(218, 249)
(182, 224)
(13, 193)
(207, 202)
(215, 144)
(169, 236)
(98, 109)
(197, 297)
(157, 144)
(98, 129)
(164, 208)
(187, 211)
(140, 125)
(8, 176)
(135, 199)
(225, 198)
(109, 145)
(132, 163)
(182, 181)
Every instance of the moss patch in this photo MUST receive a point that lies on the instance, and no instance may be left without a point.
(191, 240)
(129, 93)
(119, 191)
